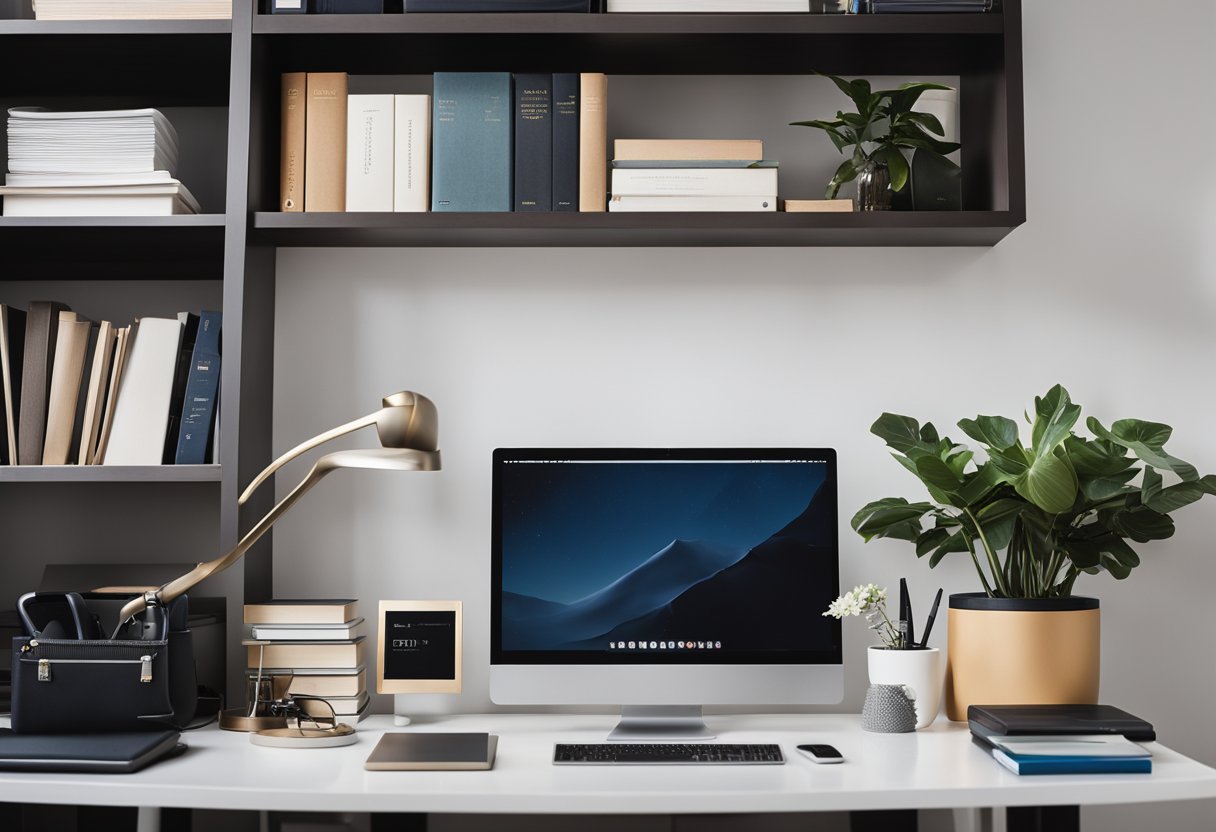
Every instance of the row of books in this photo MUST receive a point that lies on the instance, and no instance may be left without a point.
(319, 643)
(147, 396)
(493, 141)
(132, 9)
(92, 163)
(568, 6)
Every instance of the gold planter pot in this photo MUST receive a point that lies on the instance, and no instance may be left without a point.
(1021, 651)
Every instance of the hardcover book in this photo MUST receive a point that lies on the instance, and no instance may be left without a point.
(301, 611)
(71, 347)
(533, 141)
(12, 351)
(412, 153)
(41, 334)
(348, 6)
(593, 142)
(695, 182)
(336, 682)
(307, 654)
(325, 142)
(565, 141)
(202, 389)
(369, 153)
(498, 5)
(292, 150)
(181, 374)
(95, 395)
(687, 150)
(145, 391)
(472, 135)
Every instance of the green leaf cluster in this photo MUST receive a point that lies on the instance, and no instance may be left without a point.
(883, 123)
(1033, 517)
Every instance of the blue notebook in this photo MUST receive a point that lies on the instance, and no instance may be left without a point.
(471, 147)
(1039, 764)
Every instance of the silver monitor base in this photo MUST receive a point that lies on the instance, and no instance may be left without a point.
(650, 723)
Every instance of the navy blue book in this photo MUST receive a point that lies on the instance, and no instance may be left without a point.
(565, 141)
(180, 375)
(202, 387)
(348, 6)
(533, 141)
(498, 5)
(471, 147)
(1051, 764)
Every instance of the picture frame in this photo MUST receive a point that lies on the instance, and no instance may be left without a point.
(426, 654)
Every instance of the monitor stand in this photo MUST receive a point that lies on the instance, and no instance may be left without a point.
(649, 723)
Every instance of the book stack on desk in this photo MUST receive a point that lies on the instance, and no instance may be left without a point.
(1071, 739)
(692, 175)
(320, 643)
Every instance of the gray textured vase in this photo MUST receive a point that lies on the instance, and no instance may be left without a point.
(888, 709)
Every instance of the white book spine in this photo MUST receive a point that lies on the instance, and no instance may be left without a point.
(412, 163)
(628, 204)
(694, 182)
(369, 153)
(141, 412)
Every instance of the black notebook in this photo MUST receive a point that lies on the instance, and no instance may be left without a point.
(117, 753)
(1024, 720)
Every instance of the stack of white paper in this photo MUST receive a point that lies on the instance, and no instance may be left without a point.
(100, 163)
(132, 9)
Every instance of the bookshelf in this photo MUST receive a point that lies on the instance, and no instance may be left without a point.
(222, 79)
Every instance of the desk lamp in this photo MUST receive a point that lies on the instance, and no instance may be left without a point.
(408, 427)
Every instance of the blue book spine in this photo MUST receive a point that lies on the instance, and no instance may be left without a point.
(348, 6)
(565, 141)
(202, 387)
(472, 152)
(1045, 764)
(533, 141)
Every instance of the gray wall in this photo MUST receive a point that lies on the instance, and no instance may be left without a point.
(1109, 288)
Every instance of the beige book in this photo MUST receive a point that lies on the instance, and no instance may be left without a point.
(306, 654)
(325, 142)
(593, 142)
(95, 393)
(292, 149)
(345, 705)
(119, 363)
(301, 611)
(687, 150)
(809, 206)
(71, 347)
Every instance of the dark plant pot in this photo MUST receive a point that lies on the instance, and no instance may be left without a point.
(874, 187)
(1021, 651)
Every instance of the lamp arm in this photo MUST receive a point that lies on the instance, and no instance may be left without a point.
(186, 582)
(307, 445)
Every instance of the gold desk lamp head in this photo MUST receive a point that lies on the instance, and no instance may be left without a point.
(408, 427)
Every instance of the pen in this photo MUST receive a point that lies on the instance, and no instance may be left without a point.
(904, 614)
(910, 641)
(924, 639)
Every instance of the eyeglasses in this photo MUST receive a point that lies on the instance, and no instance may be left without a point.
(311, 716)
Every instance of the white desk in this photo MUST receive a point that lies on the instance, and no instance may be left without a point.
(936, 768)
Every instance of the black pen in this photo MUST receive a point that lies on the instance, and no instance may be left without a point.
(910, 642)
(905, 615)
(924, 640)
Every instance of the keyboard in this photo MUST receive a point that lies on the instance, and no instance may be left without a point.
(620, 753)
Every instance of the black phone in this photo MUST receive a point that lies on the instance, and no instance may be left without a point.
(57, 615)
(821, 753)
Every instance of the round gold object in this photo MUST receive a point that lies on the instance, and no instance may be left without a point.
(238, 719)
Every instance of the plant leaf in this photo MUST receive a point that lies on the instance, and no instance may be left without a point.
(1143, 525)
(1097, 458)
(930, 540)
(1055, 414)
(1146, 440)
(927, 121)
(1050, 483)
(956, 542)
(890, 517)
(937, 474)
(901, 433)
(993, 431)
(1100, 489)
(847, 172)
(896, 163)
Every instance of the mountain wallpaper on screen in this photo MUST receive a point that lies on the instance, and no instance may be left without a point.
(762, 593)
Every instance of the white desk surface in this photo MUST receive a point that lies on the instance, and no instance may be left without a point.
(934, 768)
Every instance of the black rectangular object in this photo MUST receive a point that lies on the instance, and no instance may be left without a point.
(98, 753)
(1026, 720)
(565, 141)
(533, 141)
(498, 5)
(348, 6)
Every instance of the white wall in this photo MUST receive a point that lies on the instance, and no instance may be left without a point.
(1108, 288)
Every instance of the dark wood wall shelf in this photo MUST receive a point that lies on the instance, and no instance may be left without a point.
(233, 68)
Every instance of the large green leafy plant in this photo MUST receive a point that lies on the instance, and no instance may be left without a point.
(884, 124)
(1060, 506)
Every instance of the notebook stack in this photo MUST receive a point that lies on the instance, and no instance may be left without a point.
(1062, 739)
(99, 163)
(692, 175)
(320, 643)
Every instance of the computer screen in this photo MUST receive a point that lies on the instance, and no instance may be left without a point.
(664, 557)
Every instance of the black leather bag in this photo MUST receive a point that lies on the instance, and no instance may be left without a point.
(72, 686)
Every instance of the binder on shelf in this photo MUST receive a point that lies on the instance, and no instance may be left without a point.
(202, 388)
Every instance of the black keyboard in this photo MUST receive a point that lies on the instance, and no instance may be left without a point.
(618, 753)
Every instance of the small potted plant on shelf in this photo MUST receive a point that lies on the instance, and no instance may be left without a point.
(1032, 518)
(875, 137)
(894, 662)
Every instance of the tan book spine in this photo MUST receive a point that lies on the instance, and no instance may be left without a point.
(66, 375)
(119, 363)
(329, 685)
(95, 397)
(325, 142)
(292, 148)
(593, 142)
(338, 612)
(692, 150)
(821, 206)
(305, 655)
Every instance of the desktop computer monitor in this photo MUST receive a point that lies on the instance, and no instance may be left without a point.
(664, 580)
